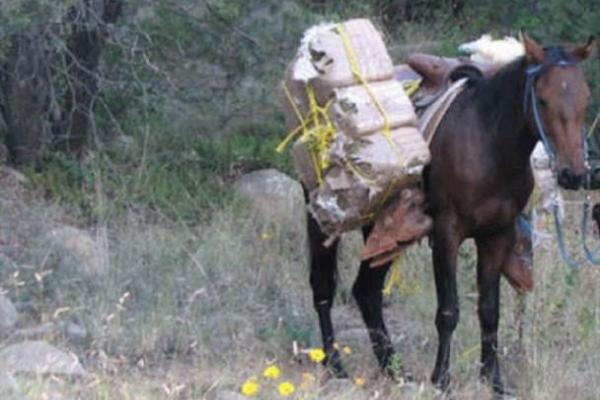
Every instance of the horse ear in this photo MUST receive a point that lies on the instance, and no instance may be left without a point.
(582, 52)
(533, 51)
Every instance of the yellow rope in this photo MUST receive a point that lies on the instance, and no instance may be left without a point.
(396, 278)
(355, 68)
(316, 129)
(411, 86)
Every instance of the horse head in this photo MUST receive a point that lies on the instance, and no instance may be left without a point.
(556, 99)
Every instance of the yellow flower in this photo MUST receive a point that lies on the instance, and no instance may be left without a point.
(347, 350)
(316, 355)
(266, 236)
(308, 377)
(250, 388)
(308, 380)
(286, 388)
(272, 372)
(358, 381)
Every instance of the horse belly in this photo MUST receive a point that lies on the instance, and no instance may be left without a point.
(491, 215)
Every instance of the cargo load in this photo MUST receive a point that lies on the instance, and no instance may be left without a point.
(356, 142)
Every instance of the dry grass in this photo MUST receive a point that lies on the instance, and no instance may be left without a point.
(187, 313)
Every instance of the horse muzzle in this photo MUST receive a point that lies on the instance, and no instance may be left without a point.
(570, 180)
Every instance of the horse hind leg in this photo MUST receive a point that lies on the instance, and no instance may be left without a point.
(323, 279)
(368, 293)
(491, 254)
(445, 251)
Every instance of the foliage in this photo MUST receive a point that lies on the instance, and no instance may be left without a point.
(191, 86)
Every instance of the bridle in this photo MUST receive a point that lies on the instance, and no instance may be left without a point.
(531, 101)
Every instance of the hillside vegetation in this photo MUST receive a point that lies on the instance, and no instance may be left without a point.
(124, 242)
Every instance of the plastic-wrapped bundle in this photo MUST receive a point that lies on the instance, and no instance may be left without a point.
(357, 142)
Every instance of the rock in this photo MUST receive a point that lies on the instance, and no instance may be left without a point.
(39, 357)
(8, 315)
(75, 333)
(278, 203)
(75, 250)
(229, 395)
(349, 249)
(9, 388)
(14, 176)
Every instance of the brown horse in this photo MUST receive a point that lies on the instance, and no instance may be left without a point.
(480, 178)
(478, 182)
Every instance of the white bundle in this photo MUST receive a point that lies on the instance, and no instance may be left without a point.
(487, 50)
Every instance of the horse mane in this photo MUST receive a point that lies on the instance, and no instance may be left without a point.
(499, 98)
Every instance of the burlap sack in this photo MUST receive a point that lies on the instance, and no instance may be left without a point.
(292, 96)
(323, 56)
(305, 165)
(364, 175)
(355, 112)
(358, 168)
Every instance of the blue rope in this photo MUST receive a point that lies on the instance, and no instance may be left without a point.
(562, 248)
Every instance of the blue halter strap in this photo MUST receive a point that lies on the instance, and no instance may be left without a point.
(531, 100)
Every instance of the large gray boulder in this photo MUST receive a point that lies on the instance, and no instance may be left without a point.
(274, 193)
(75, 250)
(278, 204)
(39, 357)
(8, 315)
(9, 387)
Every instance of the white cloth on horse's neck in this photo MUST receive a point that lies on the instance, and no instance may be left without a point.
(546, 184)
(487, 50)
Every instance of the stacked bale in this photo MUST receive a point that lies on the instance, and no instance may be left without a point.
(356, 141)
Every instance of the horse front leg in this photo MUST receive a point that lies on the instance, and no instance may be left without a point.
(492, 252)
(323, 280)
(445, 250)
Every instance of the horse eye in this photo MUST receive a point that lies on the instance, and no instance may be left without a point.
(543, 102)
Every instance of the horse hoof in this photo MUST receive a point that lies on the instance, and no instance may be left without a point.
(441, 381)
(335, 368)
(339, 373)
(503, 393)
(399, 375)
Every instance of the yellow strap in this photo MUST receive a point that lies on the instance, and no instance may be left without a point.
(355, 68)
(316, 129)
(395, 278)
(411, 86)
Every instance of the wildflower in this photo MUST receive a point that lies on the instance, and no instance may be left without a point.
(308, 377)
(272, 372)
(347, 350)
(266, 236)
(358, 381)
(316, 355)
(286, 388)
(307, 380)
(250, 388)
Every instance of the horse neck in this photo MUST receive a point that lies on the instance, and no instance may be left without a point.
(509, 138)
